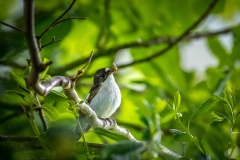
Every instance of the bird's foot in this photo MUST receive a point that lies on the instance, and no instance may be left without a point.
(108, 122)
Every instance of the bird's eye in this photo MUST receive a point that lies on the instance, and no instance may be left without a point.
(102, 75)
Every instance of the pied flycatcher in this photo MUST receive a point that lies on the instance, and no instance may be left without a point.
(104, 97)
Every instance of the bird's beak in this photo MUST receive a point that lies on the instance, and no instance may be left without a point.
(113, 69)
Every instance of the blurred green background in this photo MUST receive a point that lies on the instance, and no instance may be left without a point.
(205, 72)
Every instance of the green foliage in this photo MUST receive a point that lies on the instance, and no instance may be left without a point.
(180, 114)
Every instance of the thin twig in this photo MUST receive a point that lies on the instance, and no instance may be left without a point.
(178, 39)
(74, 78)
(55, 21)
(41, 114)
(53, 41)
(67, 19)
(13, 27)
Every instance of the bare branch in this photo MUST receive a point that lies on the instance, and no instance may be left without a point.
(13, 27)
(56, 20)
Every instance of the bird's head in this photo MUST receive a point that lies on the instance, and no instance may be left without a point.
(102, 74)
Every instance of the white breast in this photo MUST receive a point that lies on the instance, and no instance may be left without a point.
(108, 98)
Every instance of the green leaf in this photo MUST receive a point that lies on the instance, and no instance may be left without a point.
(177, 99)
(15, 92)
(167, 114)
(203, 108)
(198, 143)
(218, 116)
(50, 111)
(58, 100)
(110, 134)
(16, 95)
(44, 73)
(26, 71)
(123, 150)
(20, 80)
(180, 135)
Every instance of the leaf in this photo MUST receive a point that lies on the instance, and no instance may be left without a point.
(198, 143)
(26, 71)
(177, 99)
(110, 134)
(123, 150)
(180, 135)
(218, 116)
(15, 92)
(50, 111)
(203, 108)
(58, 100)
(167, 114)
(20, 81)
(16, 95)
(44, 73)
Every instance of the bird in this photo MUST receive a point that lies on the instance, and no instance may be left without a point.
(104, 98)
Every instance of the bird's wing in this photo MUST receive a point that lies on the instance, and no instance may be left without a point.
(94, 90)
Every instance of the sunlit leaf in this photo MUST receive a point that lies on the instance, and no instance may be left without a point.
(167, 114)
(177, 99)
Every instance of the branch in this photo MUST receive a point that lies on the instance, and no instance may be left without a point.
(13, 27)
(67, 19)
(96, 122)
(178, 39)
(29, 30)
(56, 21)
(17, 139)
(53, 41)
(146, 43)
(41, 114)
